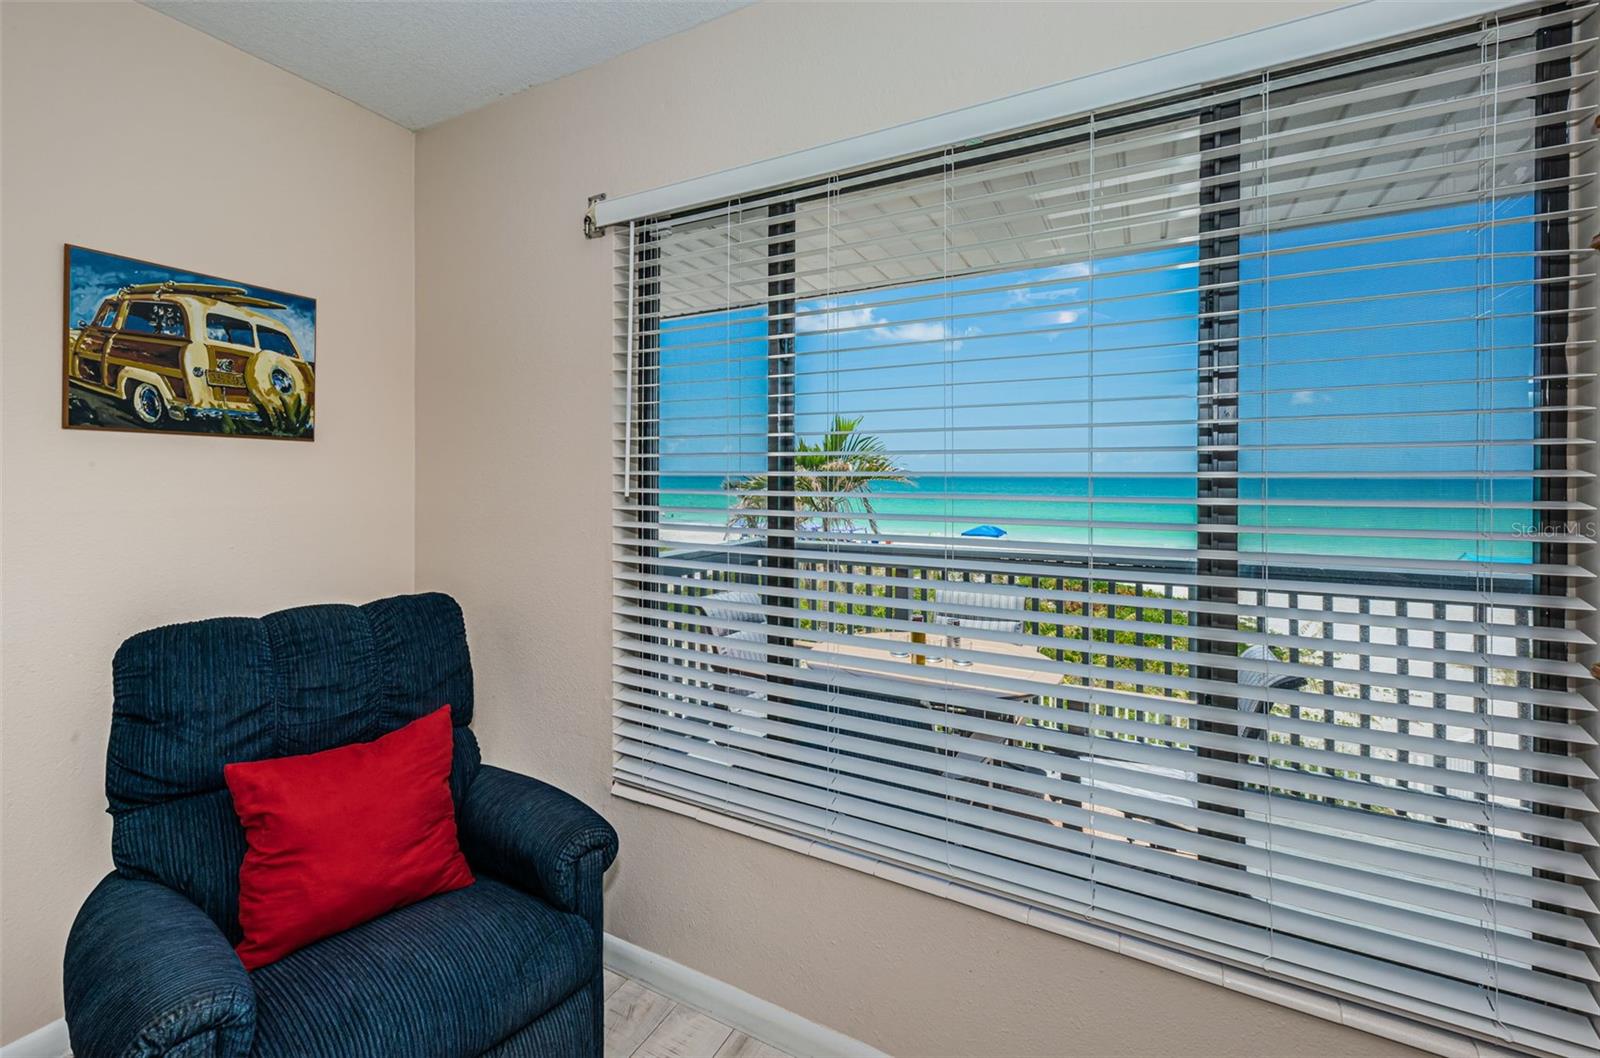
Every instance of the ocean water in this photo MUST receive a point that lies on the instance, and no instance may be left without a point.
(1161, 513)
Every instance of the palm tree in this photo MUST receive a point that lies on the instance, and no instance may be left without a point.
(830, 479)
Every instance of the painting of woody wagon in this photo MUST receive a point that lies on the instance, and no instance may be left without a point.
(154, 348)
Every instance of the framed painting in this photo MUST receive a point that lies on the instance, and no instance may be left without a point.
(154, 348)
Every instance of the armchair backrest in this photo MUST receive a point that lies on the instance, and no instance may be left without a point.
(190, 698)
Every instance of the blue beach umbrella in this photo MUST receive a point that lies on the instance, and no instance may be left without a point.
(985, 530)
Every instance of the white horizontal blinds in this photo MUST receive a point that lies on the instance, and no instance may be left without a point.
(1270, 391)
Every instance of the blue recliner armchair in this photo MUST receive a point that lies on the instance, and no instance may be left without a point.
(509, 966)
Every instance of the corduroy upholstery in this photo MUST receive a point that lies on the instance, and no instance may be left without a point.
(497, 958)
(507, 966)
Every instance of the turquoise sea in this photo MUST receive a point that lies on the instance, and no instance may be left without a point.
(1161, 513)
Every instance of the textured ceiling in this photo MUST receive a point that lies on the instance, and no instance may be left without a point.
(418, 62)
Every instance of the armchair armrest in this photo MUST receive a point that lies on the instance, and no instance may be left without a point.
(148, 975)
(538, 838)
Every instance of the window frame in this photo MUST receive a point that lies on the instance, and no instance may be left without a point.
(181, 315)
(251, 344)
(283, 332)
(1218, 366)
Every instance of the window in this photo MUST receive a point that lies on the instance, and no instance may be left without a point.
(275, 341)
(231, 329)
(107, 316)
(155, 317)
(1165, 518)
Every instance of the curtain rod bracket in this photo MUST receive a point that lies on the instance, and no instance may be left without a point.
(591, 230)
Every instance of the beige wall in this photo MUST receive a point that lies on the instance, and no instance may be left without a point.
(126, 131)
(513, 506)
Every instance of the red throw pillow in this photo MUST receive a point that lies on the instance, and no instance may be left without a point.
(340, 837)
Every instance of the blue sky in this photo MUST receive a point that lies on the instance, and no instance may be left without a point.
(878, 354)
(1390, 326)
(94, 276)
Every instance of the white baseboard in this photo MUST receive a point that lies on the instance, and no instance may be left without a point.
(750, 1014)
(47, 1042)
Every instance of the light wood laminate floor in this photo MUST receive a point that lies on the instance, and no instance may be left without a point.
(645, 1024)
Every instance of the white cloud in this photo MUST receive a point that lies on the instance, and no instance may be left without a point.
(1048, 294)
(854, 317)
(1066, 316)
(833, 319)
(830, 318)
(1066, 271)
(926, 331)
(1304, 396)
